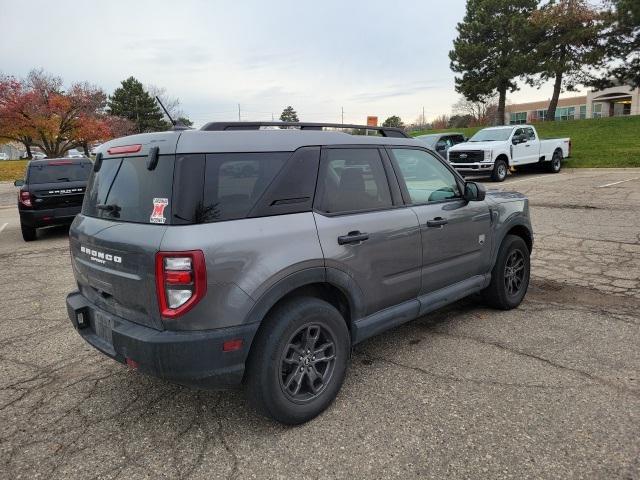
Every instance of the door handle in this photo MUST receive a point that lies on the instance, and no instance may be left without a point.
(527, 145)
(353, 237)
(437, 222)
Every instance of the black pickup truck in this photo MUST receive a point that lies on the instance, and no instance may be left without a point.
(51, 193)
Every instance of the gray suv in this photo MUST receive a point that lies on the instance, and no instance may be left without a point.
(234, 255)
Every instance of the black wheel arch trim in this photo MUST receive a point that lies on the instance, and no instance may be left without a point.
(309, 276)
(519, 222)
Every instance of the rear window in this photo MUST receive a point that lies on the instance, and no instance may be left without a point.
(61, 172)
(234, 182)
(124, 190)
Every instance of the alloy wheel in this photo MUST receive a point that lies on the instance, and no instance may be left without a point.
(514, 271)
(502, 171)
(307, 362)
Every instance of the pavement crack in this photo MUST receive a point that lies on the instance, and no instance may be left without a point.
(582, 373)
(225, 442)
(454, 378)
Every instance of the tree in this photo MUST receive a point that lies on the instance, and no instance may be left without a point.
(289, 115)
(460, 121)
(393, 121)
(184, 121)
(621, 44)
(133, 102)
(37, 112)
(440, 123)
(567, 34)
(481, 111)
(492, 49)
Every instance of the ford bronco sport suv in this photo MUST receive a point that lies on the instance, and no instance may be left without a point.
(51, 193)
(236, 255)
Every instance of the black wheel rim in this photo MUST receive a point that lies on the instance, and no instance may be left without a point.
(514, 272)
(308, 362)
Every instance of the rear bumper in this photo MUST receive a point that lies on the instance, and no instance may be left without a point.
(193, 358)
(50, 216)
(476, 167)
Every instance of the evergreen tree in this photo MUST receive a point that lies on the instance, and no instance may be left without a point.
(133, 102)
(567, 36)
(493, 49)
(393, 121)
(622, 44)
(289, 115)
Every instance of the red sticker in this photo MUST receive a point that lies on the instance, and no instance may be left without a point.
(159, 204)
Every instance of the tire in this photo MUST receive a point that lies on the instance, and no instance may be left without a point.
(500, 170)
(555, 165)
(28, 233)
(508, 287)
(276, 385)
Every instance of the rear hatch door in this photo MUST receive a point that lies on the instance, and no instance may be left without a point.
(58, 184)
(115, 239)
(114, 266)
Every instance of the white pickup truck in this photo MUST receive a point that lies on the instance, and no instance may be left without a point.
(495, 150)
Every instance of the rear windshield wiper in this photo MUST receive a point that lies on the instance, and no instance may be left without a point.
(112, 209)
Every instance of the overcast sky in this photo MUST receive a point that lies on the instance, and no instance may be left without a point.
(371, 57)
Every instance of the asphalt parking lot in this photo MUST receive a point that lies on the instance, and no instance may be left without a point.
(549, 390)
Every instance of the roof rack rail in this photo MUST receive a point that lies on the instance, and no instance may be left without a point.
(221, 126)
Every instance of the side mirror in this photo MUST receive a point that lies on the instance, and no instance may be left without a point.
(474, 192)
(440, 148)
(519, 139)
(18, 183)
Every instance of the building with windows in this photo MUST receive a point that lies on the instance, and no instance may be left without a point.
(610, 102)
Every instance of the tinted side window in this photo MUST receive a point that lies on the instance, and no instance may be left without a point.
(441, 145)
(530, 133)
(457, 139)
(235, 181)
(352, 179)
(427, 179)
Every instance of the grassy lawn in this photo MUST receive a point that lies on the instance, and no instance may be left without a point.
(595, 142)
(12, 169)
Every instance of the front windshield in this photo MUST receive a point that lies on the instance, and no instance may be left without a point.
(492, 135)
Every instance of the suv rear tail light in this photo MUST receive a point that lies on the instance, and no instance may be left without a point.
(25, 199)
(181, 281)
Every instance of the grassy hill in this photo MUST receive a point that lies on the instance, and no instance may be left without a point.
(595, 142)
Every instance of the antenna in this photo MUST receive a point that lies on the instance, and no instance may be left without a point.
(173, 122)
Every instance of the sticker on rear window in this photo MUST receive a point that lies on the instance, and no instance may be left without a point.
(159, 204)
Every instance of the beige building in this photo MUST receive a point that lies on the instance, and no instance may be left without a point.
(610, 102)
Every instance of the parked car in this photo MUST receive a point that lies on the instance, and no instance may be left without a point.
(442, 142)
(73, 153)
(493, 151)
(4, 156)
(34, 155)
(269, 279)
(51, 193)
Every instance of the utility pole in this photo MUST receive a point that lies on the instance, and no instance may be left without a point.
(342, 109)
(239, 113)
(423, 120)
(138, 117)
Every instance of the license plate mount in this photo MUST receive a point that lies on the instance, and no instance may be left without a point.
(103, 327)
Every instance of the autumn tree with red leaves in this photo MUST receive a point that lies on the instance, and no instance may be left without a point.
(36, 111)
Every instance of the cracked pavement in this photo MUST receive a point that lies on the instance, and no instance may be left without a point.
(549, 390)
